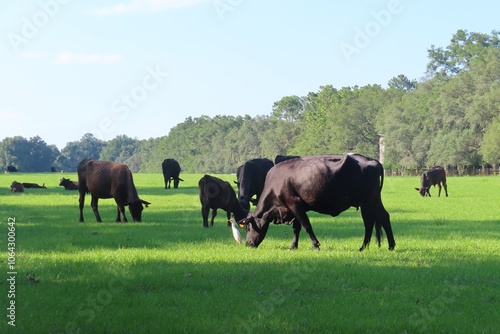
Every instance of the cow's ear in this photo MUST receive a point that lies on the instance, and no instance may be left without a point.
(242, 223)
(145, 203)
(417, 189)
(236, 182)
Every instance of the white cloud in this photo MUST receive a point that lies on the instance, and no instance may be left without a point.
(146, 5)
(66, 58)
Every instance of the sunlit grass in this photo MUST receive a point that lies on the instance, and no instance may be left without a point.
(168, 274)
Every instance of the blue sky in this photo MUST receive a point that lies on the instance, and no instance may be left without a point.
(139, 67)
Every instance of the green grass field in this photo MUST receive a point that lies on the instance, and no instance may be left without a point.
(168, 274)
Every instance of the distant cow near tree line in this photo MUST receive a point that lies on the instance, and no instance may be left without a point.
(436, 175)
(171, 170)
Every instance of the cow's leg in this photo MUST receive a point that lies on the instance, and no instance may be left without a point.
(301, 216)
(204, 214)
(82, 202)
(214, 213)
(383, 219)
(93, 203)
(296, 231)
(439, 189)
(445, 188)
(120, 210)
(369, 221)
(117, 214)
(228, 214)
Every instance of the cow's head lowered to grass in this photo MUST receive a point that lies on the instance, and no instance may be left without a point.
(136, 208)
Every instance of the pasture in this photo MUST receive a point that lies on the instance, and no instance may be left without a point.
(168, 274)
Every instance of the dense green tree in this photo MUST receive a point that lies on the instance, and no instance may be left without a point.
(289, 108)
(28, 155)
(402, 82)
(463, 48)
(74, 152)
(119, 149)
(491, 142)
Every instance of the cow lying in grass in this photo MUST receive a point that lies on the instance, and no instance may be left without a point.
(16, 187)
(68, 184)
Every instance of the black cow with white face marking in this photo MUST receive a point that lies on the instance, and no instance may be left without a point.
(251, 177)
(326, 184)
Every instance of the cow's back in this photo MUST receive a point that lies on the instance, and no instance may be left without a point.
(327, 184)
(215, 192)
(105, 179)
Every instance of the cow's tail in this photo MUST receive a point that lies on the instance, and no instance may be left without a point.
(378, 225)
(381, 174)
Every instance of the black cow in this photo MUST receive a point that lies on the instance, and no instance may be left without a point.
(11, 169)
(251, 177)
(436, 175)
(171, 170)
(34, 185)
(68, 184)
(16, 187)
(104, 179)
(218, 194)
(326, 184)
(280, 158)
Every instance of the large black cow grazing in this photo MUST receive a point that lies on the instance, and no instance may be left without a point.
(326, 184)
(68, 184)
(104, 179)
(251, 177)
(171, 170)
(218, 194)
(436, 175)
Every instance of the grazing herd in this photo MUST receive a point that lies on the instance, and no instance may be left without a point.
(284, 192)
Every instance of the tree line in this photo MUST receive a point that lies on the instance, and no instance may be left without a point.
(451, 117)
